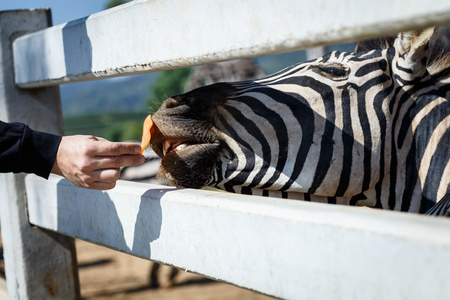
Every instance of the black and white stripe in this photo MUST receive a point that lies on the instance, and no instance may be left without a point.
(369, 128)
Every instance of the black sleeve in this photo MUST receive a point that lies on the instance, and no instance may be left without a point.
(25, 150)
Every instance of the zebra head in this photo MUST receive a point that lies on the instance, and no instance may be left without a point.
(336, 127)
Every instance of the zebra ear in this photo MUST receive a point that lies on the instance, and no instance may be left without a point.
(412, 51)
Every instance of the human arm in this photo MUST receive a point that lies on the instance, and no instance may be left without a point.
(86, 161)
(25, 150)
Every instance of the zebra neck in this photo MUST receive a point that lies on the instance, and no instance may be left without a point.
(299, 196)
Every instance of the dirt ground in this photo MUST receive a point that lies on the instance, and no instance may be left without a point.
(108, 274)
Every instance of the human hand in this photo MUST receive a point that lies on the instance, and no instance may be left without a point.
(93, 162)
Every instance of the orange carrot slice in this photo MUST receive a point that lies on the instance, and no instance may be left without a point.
(146, 136)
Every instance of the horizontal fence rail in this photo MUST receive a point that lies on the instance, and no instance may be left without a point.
(284, 248)
(287, 249)
(154, 35)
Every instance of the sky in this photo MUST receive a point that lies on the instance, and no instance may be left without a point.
(62, 10)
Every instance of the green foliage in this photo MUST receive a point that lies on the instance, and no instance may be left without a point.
(122, 94)
(127, 131)
(112, 3)
(113, 126)
(168, 83)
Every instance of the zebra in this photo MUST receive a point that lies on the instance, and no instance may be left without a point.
(369, 128)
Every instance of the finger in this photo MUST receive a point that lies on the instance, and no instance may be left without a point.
(98, 185)
(106, 175)
(98, 138)
(107, 162)
(105, 148)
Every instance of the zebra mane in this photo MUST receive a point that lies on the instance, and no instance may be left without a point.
(375, 44)
(438, 64)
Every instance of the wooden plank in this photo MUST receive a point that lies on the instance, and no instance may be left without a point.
(154, 35)
(39, 264)
(288, 249)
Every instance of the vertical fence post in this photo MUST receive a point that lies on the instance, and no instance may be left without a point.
(39, 264)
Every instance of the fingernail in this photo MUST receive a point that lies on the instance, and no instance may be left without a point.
(137, 149)
(141, 159)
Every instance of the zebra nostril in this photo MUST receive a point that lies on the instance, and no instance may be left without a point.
(175, 102)
(171, 103)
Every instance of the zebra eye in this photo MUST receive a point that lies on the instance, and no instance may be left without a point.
(334, 72)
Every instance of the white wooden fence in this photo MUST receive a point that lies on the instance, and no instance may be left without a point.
(287, 249)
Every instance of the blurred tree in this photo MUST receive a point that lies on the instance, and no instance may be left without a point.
(124, 131)
(132, 131)
(114, 132)
(168, 83)
(112, 3)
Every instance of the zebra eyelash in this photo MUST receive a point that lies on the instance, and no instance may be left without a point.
(334, 72)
